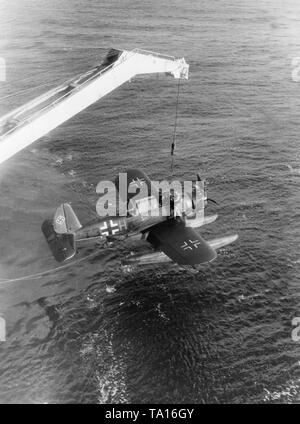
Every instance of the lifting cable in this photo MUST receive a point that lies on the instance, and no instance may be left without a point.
(175, 128)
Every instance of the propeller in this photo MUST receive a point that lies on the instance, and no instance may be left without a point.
(213, 201)
(205, 190)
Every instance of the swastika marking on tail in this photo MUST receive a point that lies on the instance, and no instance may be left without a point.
(60, 219)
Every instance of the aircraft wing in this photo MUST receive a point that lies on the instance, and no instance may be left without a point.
(141, 197)
(180, 243)
(137, 182)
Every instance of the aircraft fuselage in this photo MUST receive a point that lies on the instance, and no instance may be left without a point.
(117, 226)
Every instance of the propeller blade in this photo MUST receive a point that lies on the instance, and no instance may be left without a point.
(213, 201)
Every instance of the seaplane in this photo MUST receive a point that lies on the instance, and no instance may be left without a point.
(167, 220)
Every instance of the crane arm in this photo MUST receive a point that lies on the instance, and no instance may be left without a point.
(26, 124)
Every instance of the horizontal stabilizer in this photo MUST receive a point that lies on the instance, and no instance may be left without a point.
(65, 220)
(222, 241)
(62, 246)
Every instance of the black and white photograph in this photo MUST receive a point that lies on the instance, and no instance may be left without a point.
(150, 204)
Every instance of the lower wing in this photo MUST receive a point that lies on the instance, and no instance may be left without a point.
(180, 243)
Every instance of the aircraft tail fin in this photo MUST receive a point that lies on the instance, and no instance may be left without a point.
(62, 246)
(65, 220)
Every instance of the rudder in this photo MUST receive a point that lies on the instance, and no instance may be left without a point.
(65, 220)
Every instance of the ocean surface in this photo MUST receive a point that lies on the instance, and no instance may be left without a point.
(88, 333)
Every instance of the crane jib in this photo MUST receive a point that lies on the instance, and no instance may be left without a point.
(26, 124)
